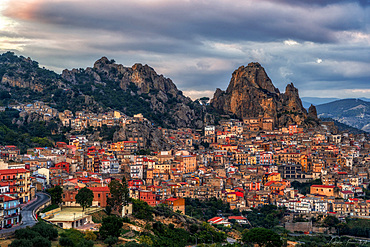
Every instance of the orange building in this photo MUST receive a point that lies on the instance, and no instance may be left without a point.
(188, 163)
(100, 196)
(322, 190)
(176, 204)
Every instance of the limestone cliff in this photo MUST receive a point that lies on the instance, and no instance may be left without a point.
(251, 94)
(157, 96)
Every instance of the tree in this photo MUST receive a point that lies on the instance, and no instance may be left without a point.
(45, 230)
(142, 210)
(110, 241)
(26, 233)
(262, 237)
(56, 194)
(331, 221)
(111, 226)
(21, 243)
(119, 194)
(41, 242)
(66, 242)
(90, 235)
(84, 197)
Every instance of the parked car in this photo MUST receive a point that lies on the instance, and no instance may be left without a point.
(8, 226)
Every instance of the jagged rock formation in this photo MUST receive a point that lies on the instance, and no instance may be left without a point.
(107, 85)
(167, 105)
(252, 94)
(145, 134)
(312, 112)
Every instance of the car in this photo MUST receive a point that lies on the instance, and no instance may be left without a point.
(8, 226)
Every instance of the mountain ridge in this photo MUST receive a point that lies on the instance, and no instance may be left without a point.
(106, 85)
(353, 112)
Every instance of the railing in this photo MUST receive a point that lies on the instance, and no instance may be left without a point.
(11, 215)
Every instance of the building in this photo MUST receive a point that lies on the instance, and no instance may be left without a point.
(322, 190)
(176, 204)
(11, 210)
(19, 183)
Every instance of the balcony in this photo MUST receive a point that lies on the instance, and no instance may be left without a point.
(11, 215)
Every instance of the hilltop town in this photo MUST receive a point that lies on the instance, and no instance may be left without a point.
(246, 163)
(251, 159)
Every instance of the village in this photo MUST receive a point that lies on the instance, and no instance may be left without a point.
(246, 163)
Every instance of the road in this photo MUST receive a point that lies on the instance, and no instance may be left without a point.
(27, 213)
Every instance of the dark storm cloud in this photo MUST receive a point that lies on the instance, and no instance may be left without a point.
(319, 45)
(192, 20)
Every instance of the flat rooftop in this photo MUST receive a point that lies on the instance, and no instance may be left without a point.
(72, 214)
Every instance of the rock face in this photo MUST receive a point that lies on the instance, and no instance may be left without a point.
(312, 112)
(165, 102)
(252, 94)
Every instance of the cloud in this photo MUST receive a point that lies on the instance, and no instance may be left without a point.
(319, 44)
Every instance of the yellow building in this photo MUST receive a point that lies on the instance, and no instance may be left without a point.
(19, 183)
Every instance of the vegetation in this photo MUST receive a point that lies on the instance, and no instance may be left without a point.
(142, 210)
(39, 235)
(206, 209)
(262, 237)
(74, 238)
(304, 188)
(111, 227)
(354, 227)
(266, 216)
(119, 194)
(15, 130)
(84, 197)
(55, 194)
(49, 208)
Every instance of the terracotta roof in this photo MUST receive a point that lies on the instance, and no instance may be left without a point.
(99, 189)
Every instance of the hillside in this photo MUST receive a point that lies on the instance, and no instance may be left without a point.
(353, 112)
(107, 85)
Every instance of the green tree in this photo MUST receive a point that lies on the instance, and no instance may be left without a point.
(331, 221)
(90, 235)
(111, 226)
(119, 194)
(110, 241)
(262, 237)
(41, 242)
(21, 243)
(26, 233)
(84, 197)
(56, 194)
(66, 242)
(45, 230)
(142, 210)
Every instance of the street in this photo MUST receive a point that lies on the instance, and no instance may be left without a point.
(27, 217)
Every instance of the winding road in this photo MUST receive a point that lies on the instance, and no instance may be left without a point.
(27, 213)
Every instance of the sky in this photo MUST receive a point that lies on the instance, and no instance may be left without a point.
(322, 46)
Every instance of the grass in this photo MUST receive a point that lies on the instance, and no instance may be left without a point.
(98, 216)
(49, 208)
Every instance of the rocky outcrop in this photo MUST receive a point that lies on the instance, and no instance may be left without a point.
(312, 112)
(14, 81)
(251, 94)
(160, 94)
(145, 134)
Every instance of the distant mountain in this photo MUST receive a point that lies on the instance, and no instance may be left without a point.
(307, 101)
(353, 112)
(107, 85)
(344, 127)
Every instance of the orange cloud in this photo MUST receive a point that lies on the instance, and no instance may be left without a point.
(23, 9)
